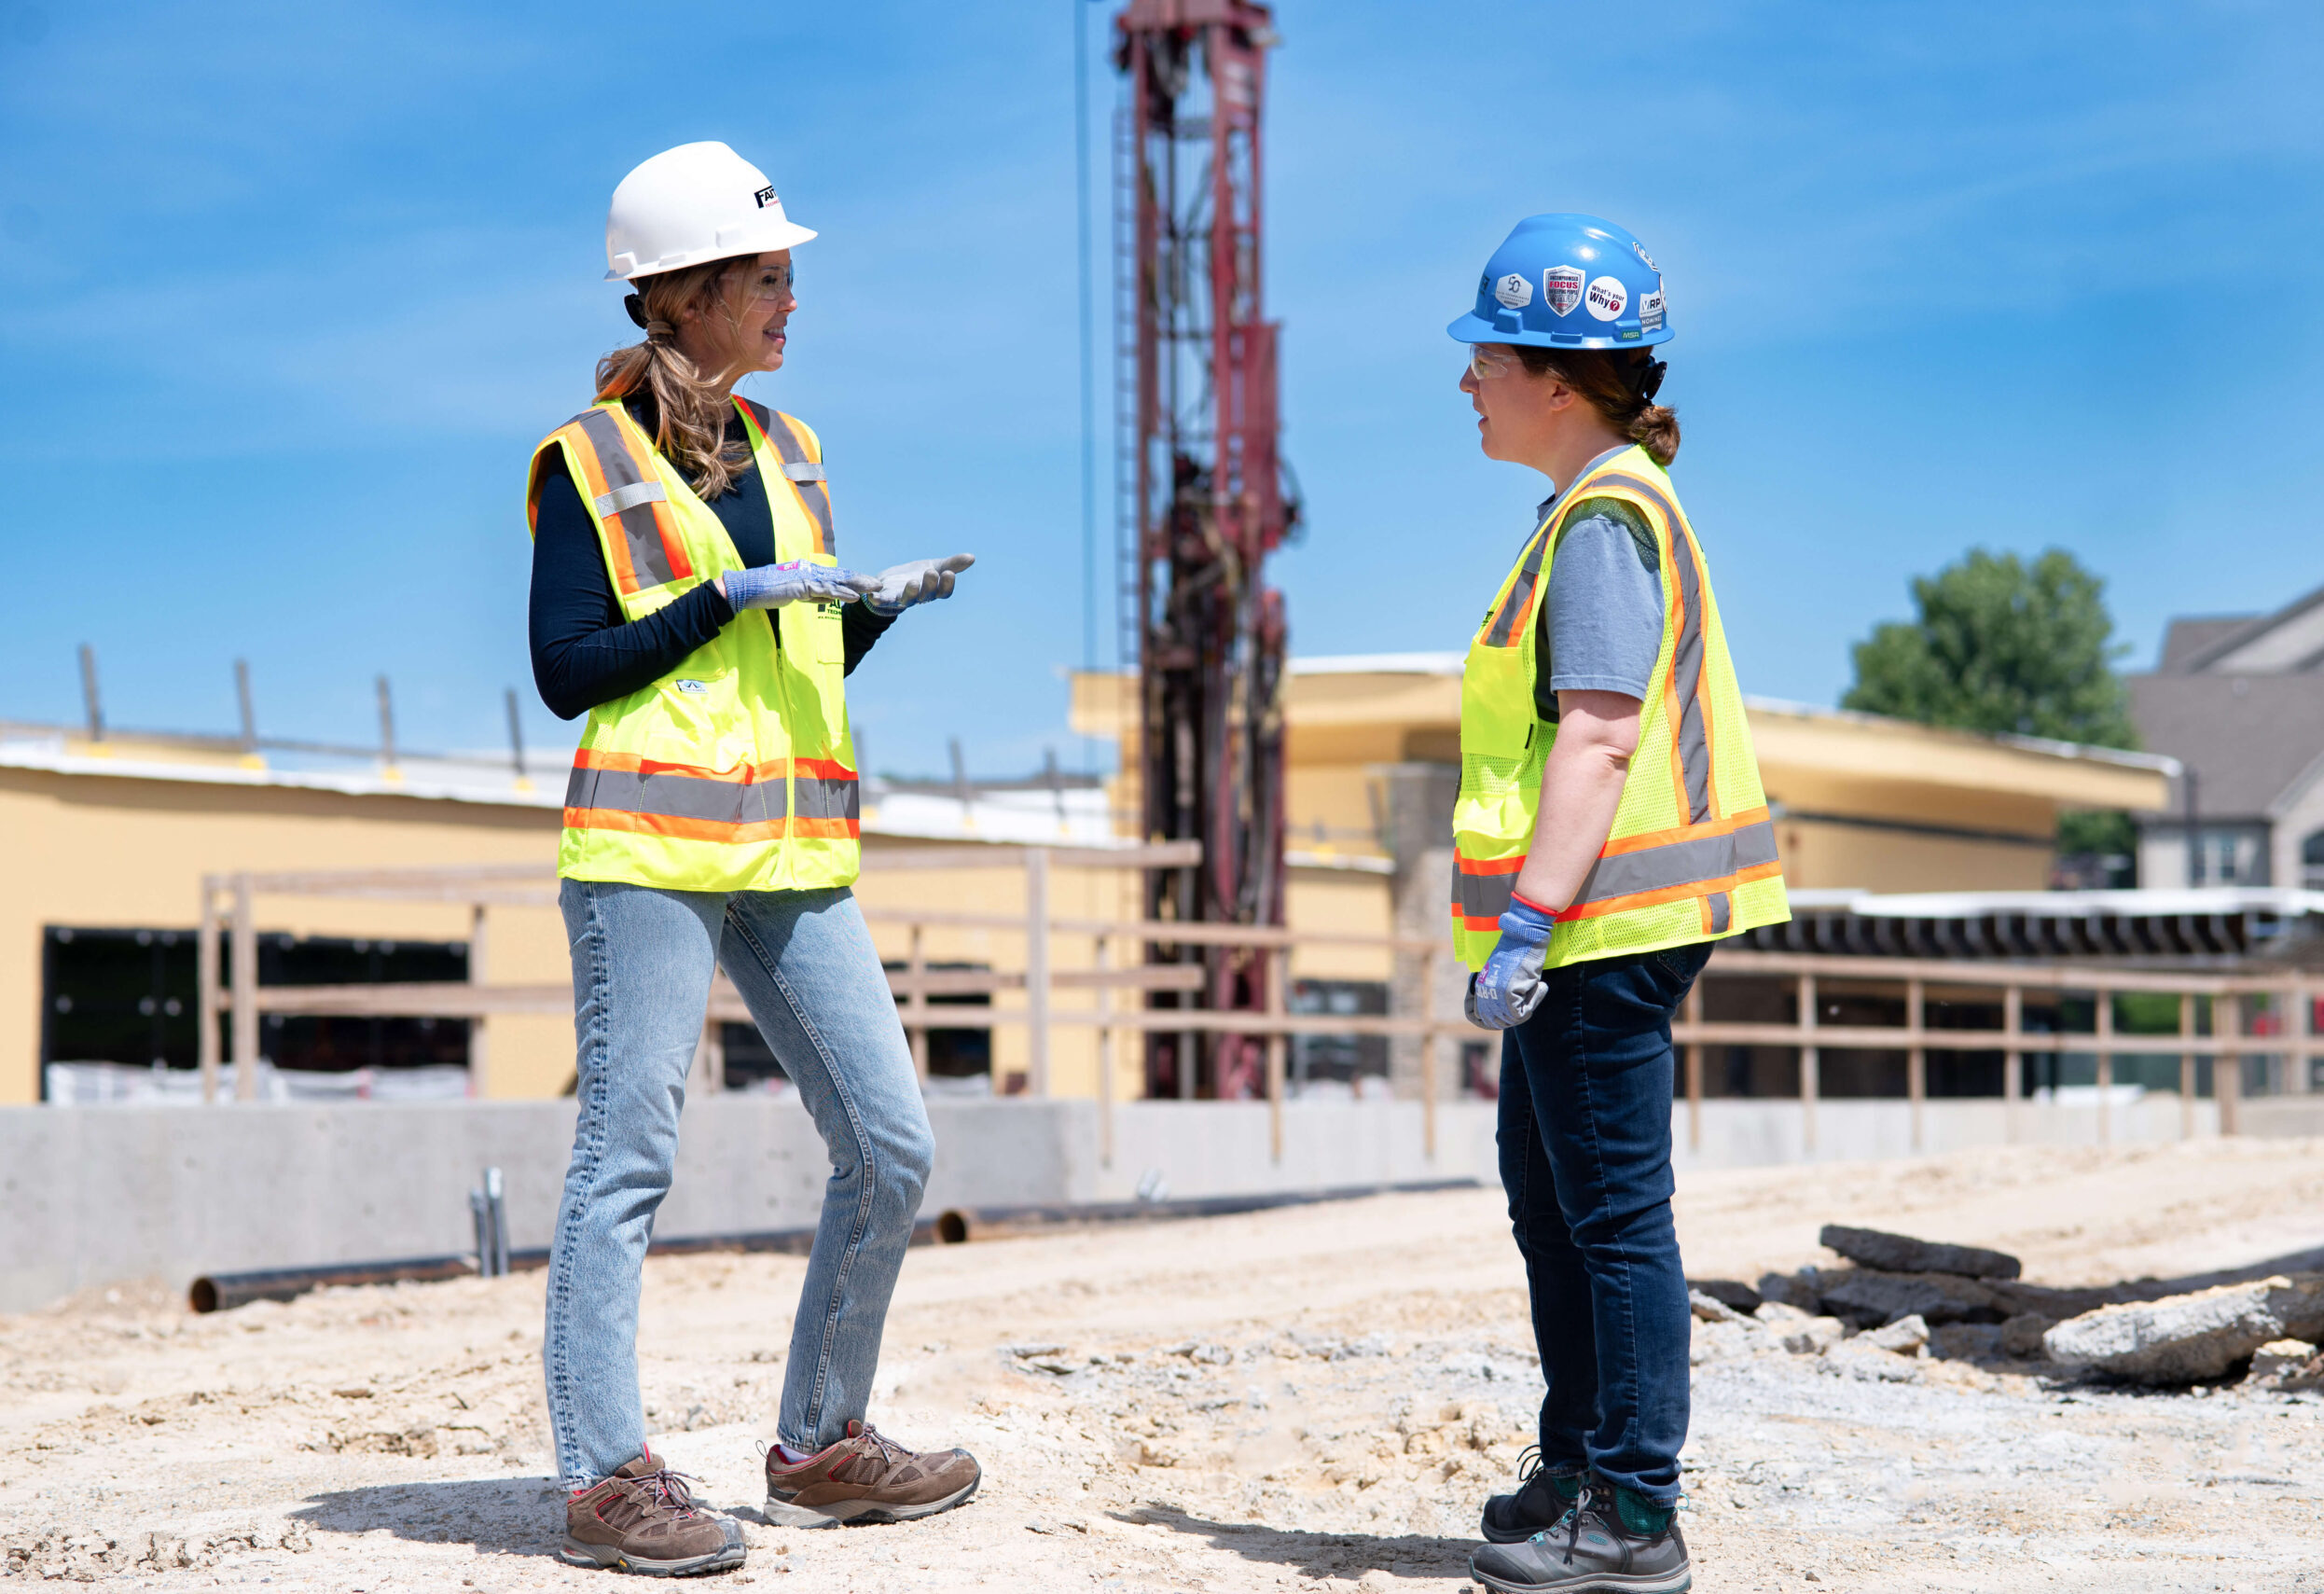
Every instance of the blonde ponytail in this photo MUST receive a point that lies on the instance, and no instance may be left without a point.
(691, 412)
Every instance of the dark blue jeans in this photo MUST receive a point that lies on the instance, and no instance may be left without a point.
(1585, 1094)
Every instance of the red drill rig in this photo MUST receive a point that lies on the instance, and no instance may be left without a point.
(1202, 499)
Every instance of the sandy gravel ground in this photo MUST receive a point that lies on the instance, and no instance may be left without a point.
(1312, 1399)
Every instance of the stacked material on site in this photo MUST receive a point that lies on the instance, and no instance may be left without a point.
(1911, 1297)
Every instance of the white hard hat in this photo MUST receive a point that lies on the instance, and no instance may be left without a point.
(697, 203)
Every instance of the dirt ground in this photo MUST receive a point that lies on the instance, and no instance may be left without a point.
(1316, 1398)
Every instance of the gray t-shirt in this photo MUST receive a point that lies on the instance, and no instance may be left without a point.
(1601, 625)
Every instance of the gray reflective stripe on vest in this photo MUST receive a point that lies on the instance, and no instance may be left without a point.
(1686, 659)
(1722, 912)
(822, 798)
(1679, 863)
(811, 491)
(1505, 623)
(1482, 896)
(677, 797)
(630, 497)
(635, 516)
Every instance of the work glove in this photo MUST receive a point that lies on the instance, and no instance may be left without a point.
(770, 586)
(1508, 989)
(921, 581)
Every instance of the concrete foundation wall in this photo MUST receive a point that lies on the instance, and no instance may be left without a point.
(93, 1194)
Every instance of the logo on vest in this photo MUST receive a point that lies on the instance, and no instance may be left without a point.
(1607, 298)
(692, 688)
(765, 196)
(1514, 291)
(1561, 288)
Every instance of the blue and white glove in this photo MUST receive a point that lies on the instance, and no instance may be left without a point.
(921, 581)
(770, 586)
(1509, 987)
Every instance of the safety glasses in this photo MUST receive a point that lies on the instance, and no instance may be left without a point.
(772, 283)
(1485, 365)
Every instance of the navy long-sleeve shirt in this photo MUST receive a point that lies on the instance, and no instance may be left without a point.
(583, 653)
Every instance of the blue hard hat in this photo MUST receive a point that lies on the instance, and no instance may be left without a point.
(1567, 281)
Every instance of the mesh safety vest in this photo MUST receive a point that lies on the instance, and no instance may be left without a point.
(735, 771)
(1693, 852)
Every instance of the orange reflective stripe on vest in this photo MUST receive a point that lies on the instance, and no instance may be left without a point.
(613, 790)
(624, 493)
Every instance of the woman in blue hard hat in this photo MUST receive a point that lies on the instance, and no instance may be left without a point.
(1609, 828)
(687, 596)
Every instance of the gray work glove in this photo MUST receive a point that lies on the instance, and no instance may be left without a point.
(921, 581)
(770, 586)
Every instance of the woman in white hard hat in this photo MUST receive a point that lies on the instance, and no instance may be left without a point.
(1609, 828)
(687, 596)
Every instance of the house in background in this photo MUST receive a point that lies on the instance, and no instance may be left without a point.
(2239, 702)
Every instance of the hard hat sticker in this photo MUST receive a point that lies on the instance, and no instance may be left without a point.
(1607, 298)
(1561, 288)
(1645, 256)
(765, 196)
(1650, 311)
(1514, 291)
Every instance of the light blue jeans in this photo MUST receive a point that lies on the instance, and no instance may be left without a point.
(804, 964)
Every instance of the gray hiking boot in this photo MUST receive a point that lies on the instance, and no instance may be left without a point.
(1541, 1501)
(1613, 1542)
(866, 1477)
(641, 1519)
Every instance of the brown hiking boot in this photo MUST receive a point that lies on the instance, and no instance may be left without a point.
(866, 1477)
(641, 1519)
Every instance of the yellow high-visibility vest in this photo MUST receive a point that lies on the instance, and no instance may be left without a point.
(735, 771)
(1693, 852)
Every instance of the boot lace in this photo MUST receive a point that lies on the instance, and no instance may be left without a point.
(669, 1488)
(891, 1452)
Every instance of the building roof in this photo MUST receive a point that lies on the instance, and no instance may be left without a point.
(2250, 739)
(1069, 814)
(2240, 699)
(2184, 639)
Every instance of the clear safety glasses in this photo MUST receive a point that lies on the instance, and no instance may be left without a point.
(772, 283)
(1485, 365)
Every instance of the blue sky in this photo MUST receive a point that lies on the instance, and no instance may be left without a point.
(293, 289)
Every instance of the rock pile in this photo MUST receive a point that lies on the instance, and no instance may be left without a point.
(1901, 1293)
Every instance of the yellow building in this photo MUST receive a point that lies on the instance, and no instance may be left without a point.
(1867, 803)
(111, 840)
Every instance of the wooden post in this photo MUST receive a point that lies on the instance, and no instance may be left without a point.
(1811, 1065)
(2227, 1068)
(2012, 1059)
(1037, 971)
(2300, 1025)
(1428, 1053)
(1105, 1054)
(2106, 1066)
(916, 1005)
(244, 974)
(206, 993)
(715, 1056)
(479, 1059)
(1278, 976)
(2187, 1069)
(1695, 1072)
(1916, 1057)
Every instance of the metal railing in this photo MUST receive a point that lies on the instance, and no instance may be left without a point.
(1809, 973)
(1119, 964)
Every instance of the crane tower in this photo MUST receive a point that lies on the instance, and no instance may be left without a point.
(1201, 498)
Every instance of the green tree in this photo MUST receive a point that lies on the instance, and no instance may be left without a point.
(2001, 645)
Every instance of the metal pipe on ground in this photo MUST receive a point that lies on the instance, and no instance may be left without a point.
(222, 1292)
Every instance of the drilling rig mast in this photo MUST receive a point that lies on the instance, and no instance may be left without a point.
(1201, 495)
